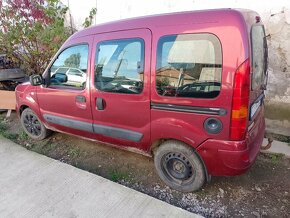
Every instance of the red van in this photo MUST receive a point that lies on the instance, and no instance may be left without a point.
(185, 88)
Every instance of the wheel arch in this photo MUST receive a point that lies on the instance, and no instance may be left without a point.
(22, 108)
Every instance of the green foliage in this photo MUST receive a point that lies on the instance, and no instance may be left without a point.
(73, 60)
(11, 136)
(5, 133)
(275, 158)
(74, 152)
(163, 82)
(3, 127)
(23, 136)
(116, 176)
(32, 31)
(89, 20)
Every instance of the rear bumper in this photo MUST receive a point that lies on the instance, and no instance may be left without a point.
(230, 158)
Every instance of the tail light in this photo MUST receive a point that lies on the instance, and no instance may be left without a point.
(240, 103)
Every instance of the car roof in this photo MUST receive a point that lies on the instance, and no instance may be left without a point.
(152, 22)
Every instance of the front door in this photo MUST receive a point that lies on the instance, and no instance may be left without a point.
(120, 94)
(65, 100)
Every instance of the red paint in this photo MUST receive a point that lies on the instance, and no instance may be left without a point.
(221, 155)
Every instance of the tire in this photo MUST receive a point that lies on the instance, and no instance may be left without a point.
(179, 166)
(32, 125)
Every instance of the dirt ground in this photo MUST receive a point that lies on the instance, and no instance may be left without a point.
(264, 191)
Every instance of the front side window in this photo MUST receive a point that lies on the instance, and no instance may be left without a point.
(189, 65)
(259, 56)
(70, 68)
(120, 66)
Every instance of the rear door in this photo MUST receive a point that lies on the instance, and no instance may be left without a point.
(259, 60)
(120, 93)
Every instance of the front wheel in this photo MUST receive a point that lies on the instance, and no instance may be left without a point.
(32, 125)
(179, 166)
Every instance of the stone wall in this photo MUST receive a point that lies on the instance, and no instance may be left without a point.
(278, 91)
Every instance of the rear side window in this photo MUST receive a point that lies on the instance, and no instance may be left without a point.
(259, 56)
(120, 66)
(189, 65)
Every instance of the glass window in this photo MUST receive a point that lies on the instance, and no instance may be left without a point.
(70, 68)
(120, 66)
(189, 65)
(259, 56)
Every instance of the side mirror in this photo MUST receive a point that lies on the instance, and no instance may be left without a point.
(36, 80)
(59, 77)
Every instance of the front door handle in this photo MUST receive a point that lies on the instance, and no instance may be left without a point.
(100, 103)
(81, 101)
(80, 98)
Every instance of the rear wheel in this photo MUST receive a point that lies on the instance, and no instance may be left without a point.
(33, 126)
(179, 166)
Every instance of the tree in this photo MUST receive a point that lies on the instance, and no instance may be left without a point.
(31, 31)
(89, 20)
(73, 60)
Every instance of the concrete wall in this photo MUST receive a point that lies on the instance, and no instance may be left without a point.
(275, 15)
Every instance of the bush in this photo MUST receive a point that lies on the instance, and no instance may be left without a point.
(32, 31)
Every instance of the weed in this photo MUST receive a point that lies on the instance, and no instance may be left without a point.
(23, 136)
(11, 136)
(46, 146)
(275, 158)
(116, 176)
(3, 127)
(74, 152)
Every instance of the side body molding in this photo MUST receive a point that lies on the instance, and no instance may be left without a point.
(94, 128)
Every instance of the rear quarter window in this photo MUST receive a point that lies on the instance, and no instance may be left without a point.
(189, 65)
(259, 56)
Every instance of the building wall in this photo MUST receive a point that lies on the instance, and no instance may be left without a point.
(274, 14)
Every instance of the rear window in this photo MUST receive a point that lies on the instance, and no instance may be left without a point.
(259, 56)
(189, 65)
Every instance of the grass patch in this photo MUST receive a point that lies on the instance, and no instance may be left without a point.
(23, 136)
(5, 133)
(117, 176)
(11, 136)
(74, 152)
(276, 158)
(42, 147)
(47, 147)
(3, 127)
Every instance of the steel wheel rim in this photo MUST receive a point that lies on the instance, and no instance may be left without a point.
(32, 124)
(178, 168)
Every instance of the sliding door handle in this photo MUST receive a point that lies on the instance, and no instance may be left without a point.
(100, 103)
